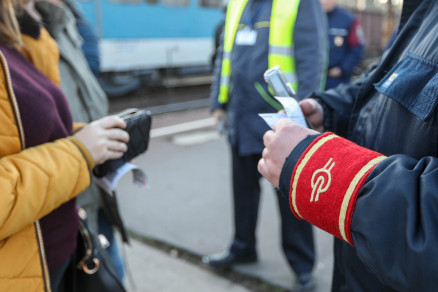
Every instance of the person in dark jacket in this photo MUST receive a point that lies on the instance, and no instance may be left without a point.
(290, 34)
(347, 43)
(376, 191)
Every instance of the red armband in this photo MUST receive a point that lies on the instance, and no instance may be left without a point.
(326, 181)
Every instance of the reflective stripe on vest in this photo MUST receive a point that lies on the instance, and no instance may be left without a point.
(281, 42)
(281, 50)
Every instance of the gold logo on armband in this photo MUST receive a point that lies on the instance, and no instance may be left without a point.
(321, 180)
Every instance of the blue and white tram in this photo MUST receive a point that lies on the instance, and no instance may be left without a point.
(154, 34)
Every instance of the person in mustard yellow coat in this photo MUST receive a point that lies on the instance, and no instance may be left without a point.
(45, 160)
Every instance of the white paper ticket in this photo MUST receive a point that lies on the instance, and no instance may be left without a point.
(292, 112)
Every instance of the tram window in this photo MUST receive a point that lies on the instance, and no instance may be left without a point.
(211, 3)
(152, 1)
(176, 2)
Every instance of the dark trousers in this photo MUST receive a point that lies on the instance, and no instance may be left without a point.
(297, 235)
(57, 276)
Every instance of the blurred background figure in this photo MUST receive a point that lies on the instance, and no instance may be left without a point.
(90, 40)
(260, 34)
(347, 43)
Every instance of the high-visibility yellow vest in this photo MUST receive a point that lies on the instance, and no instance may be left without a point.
(281, 46)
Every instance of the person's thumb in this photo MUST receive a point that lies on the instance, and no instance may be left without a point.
(308, 106)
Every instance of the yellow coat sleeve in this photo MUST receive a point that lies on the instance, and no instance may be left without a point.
(37, 180)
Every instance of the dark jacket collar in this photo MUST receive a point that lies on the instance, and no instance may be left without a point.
(28, 25)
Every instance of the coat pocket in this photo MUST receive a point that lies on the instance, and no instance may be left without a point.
(413, 82)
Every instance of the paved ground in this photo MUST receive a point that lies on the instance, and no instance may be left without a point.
(156, 270)
(188, 211)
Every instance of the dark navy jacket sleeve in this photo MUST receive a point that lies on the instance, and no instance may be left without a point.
(310, 42)
(338, 102)
(399, 241)
(394, 220)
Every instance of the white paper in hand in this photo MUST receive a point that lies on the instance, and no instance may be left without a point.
(292, 109)
(272, 118)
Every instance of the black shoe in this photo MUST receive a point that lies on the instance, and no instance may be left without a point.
(228, 259)
(304, 282)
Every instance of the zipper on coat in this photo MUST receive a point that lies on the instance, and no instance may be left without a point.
(13, 100)
(46, 277)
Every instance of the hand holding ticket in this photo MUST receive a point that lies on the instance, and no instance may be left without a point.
(292, 112)
(285, 94)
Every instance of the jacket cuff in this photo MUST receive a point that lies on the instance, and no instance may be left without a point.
(222, 106)
(77, 126)
(328, 120)
(291, 161)
(326, 181)
(84, 151)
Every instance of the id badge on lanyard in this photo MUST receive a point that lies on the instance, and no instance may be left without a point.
(246, 37)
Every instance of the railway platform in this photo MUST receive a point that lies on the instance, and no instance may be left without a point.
(187, 213)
